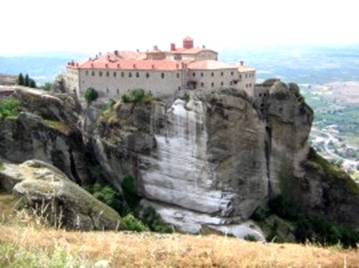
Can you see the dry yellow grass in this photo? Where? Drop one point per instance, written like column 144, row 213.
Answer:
column 175, row 250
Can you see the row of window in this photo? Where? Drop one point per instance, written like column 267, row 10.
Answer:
column 249, row 75
column 114, row 74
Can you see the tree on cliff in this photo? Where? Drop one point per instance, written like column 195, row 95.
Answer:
column 26, row 80
column 20, row 79
column 91, row 95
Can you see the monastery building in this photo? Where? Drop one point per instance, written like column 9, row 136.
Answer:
column 160, row 72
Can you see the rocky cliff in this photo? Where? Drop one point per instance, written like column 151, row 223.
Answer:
column 206, row 160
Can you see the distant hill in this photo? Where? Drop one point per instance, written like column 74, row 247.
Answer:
column 42, row 67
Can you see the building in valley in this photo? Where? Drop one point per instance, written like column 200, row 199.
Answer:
column 160, row 72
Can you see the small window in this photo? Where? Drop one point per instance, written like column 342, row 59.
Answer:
column 232, row 73
column 246, row 75
column 107, row 91
column 147, row 75
column 201, row 74
column 87, row 73
column 179, row 88
column 107, row 73
column 212, row 84
column 178, row 75
column 240, row 77
column 193, row 74
column 212, row 74
column 162, row 75
column 137, row 74
column 221, row 73
column 222, row 84
column 130, row 74
column 122, row 74
column 202, row 84
column 114, row 74
column 100, row 73
column 118, row 92
column 93, row 73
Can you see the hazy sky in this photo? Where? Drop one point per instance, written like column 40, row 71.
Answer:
column 91, row 26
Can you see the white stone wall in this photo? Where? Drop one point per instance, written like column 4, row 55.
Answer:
column 114, row 83
column 213, row 79
column 72, row 80
column 248, row 81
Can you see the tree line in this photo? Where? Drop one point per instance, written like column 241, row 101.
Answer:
column 26, row 81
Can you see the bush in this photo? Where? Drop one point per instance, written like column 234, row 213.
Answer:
column 91, row 95
column 133, row 224
column 129, row 191
column 9, row 107
column 1, row 166
column 137, row 95
column 283, row 208
column 260, row 214
column 250, row 238
column 154, row 221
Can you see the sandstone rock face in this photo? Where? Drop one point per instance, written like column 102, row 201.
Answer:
column 64, row 201
column 45, row 130
column 211, row 159
column 205, row 160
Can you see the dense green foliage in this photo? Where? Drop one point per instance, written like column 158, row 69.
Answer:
column 307, row 228
column 131, row 223
column 91, row 95
column 137, row 95
column 9, row 107
column 107, row 194
column 1, row 166
column 154, row 221
column 26, row 81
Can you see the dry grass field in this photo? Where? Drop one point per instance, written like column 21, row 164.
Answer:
column 43, row 247
column 26, row 242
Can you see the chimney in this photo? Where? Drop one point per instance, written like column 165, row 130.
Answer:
column 203, row 46
column 155, row 47
column 106, row 65
column 116, row 52
column 242, row 63
column 134, row 66
column 173, row 47
column 118, row 65
column 91, row 65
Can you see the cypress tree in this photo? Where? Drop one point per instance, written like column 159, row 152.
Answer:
column 26, row 80
column 32, row 83
column 20, row 79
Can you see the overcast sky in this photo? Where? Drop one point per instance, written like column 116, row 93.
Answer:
column 91, row 26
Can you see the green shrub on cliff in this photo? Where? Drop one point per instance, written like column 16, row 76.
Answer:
column 9, row 107
column 131, row 223
column 154, row 221
column 90, row 95
column 138, row 95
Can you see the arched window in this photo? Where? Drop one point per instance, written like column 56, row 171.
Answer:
column 232, row 73
column 107, row 73
column 178, row 75
column 100, row 73
column 162, row 75
column 93, row 73
column 201, row 74
column 212, row 84
column 193, row 74
column 212, row 74
column 87, row 73
column 202, row 84
column 222, row 83
column 122, row 74
column 114, row 74
column 137, row 74
column 130, row 74
column 221, row 73
column 147, row 75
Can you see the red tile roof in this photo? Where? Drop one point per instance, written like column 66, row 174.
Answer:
column 165, row 65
